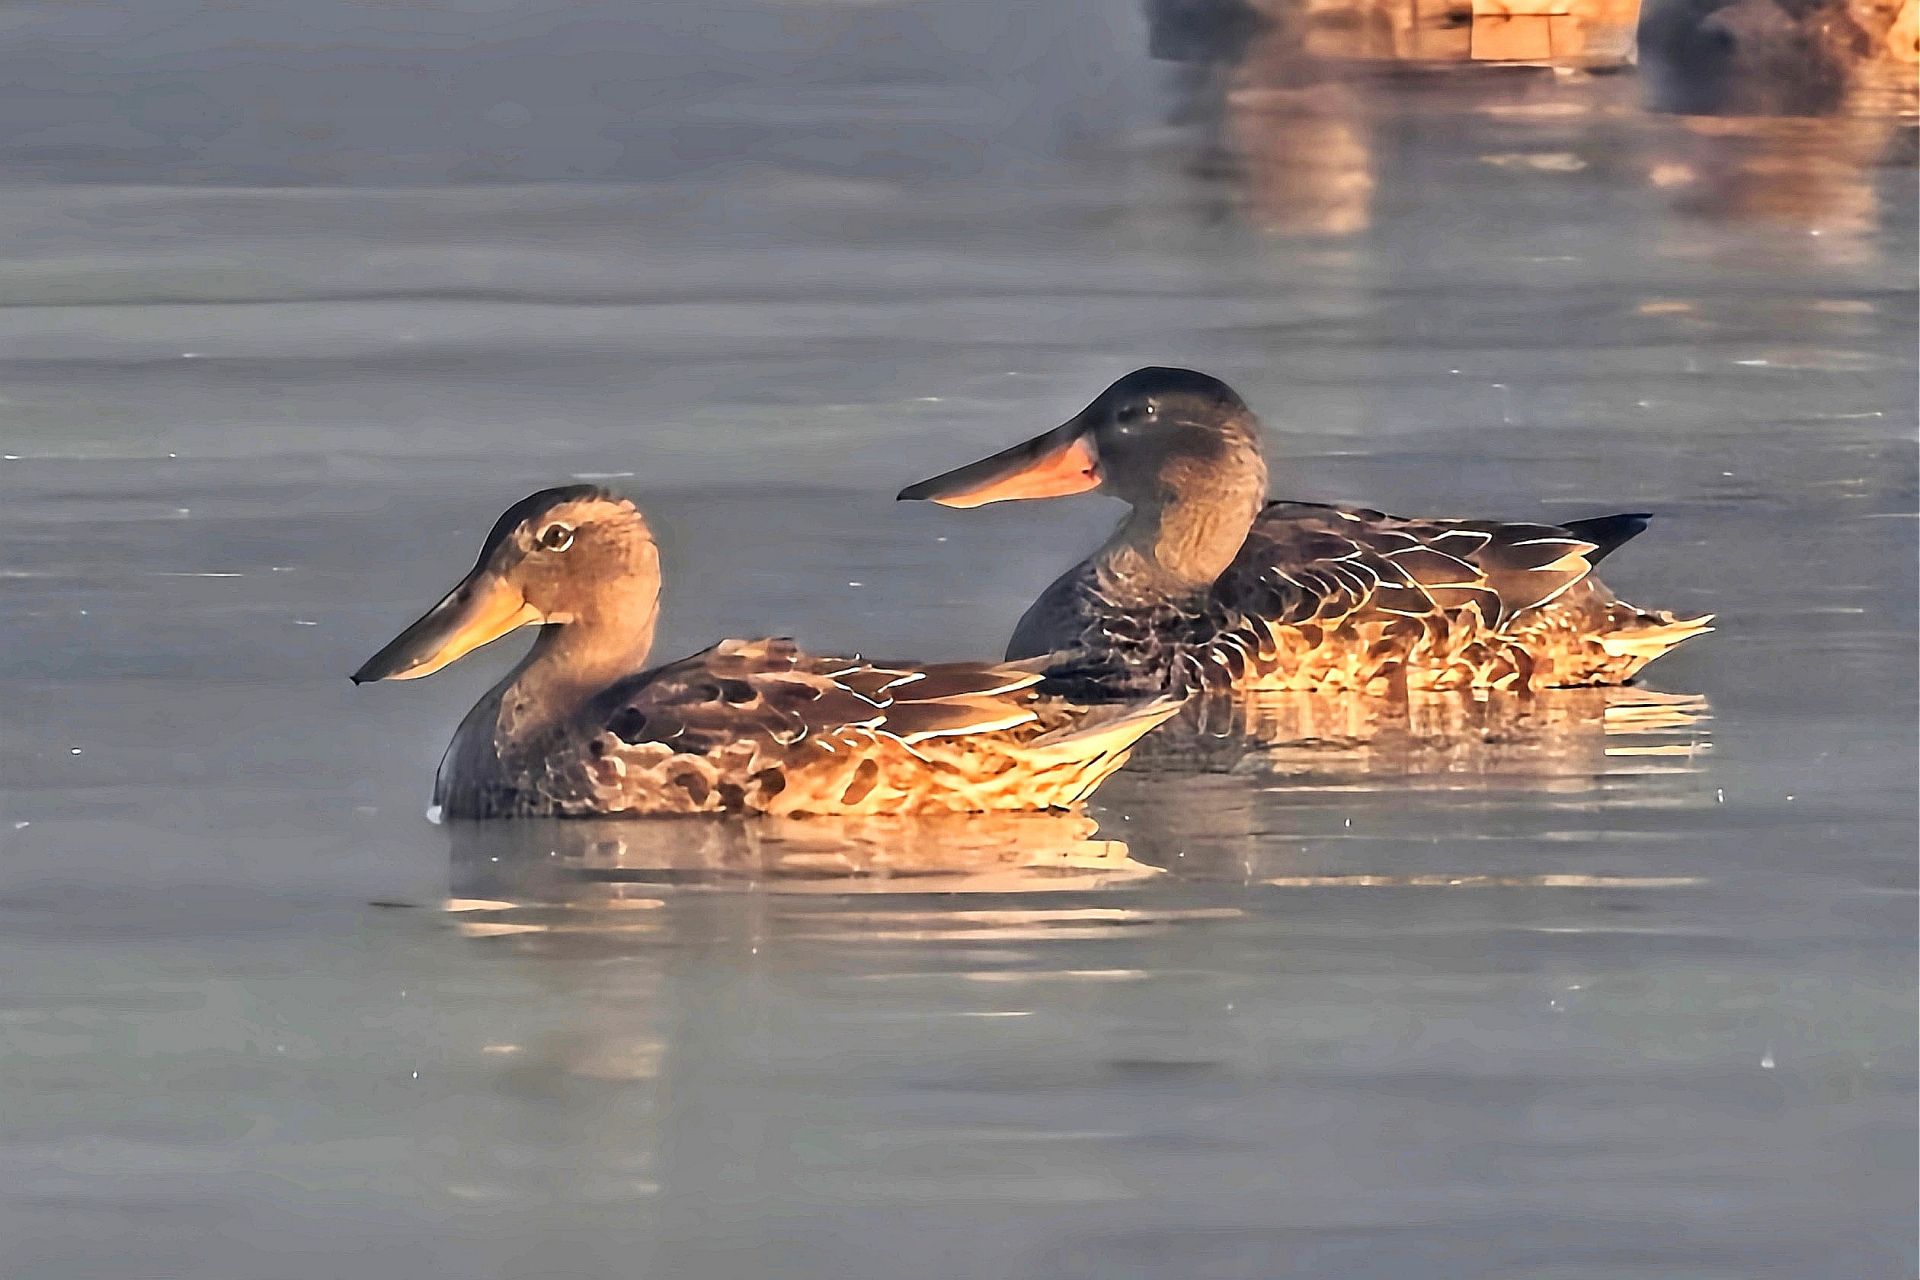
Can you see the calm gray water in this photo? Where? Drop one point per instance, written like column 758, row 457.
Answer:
column 1548, row 994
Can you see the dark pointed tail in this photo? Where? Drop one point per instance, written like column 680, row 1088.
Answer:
column 1608, row 532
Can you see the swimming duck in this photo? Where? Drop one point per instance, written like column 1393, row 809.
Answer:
column 747, row 727
column 1207, row 584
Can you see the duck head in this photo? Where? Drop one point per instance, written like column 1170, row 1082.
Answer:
column 1156, row 438
column 577, row 558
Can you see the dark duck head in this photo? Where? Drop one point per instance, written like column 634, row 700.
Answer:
column 1180, row 447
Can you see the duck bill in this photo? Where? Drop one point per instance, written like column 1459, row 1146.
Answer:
column 1062, row 461
column 479, row 610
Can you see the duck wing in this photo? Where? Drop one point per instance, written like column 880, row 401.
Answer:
column 758, row 726
column 1304, row 562
column 771, row 693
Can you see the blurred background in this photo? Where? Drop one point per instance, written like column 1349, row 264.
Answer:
column 295, row 297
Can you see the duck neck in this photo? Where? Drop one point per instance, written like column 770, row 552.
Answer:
column 1171, row 548
column 569, row 664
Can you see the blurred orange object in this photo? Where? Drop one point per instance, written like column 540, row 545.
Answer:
column 1573, row 33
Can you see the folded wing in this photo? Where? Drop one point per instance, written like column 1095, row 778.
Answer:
column 1305, row 563
column 771, row 691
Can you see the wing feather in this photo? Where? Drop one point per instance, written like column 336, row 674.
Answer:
column 771, row 692
column 1303, row 560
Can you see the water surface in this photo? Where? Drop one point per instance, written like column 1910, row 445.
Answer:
column 1496, row 992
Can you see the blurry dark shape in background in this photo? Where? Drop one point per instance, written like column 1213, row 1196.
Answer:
column 1702, row 57
column 1201, row 30
column 1420, row 33
column 1788, row 105
column 1780, row 57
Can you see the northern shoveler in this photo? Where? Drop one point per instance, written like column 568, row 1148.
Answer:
column 1208, row 584
column 749, row 726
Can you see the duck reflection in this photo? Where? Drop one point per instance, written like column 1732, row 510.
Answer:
column 562, row 876
column 1789, row 106
column 1237, row 789
column 1811, row 178
column 1288, row 136
column 1303, row 152
column 1792, row 109
column 676, row 1040
column 1233, row 788
column 1333, row 737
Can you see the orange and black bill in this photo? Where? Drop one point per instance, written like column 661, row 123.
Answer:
column 1063, row 461
column 483, row 608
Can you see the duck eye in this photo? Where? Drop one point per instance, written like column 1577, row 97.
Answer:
column 556, row 537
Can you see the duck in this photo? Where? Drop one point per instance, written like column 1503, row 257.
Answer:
column 1207, row 584
column 581, row 727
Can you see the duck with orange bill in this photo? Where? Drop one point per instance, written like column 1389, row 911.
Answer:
column 1206, row 584
column 579, row 728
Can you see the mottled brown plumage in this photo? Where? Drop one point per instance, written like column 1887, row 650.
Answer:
column 1207, row 585
column 747, row 727
column 1341, row 598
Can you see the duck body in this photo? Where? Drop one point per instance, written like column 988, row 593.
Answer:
column 1208, row 585
column 579, row 729
column 1347, row 599
column 760, row 727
